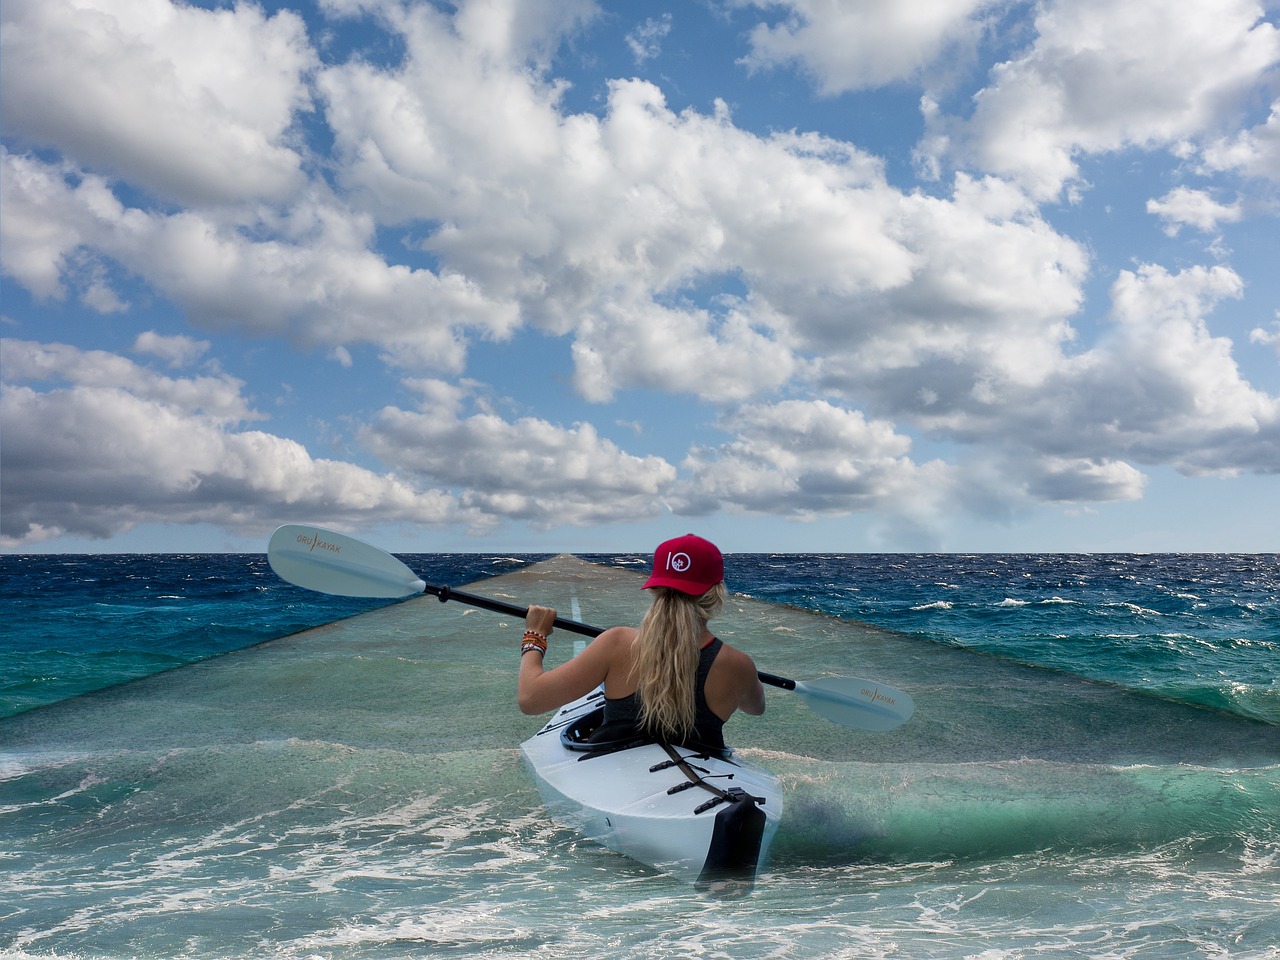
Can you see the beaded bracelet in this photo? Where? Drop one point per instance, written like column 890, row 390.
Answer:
column 533, row 641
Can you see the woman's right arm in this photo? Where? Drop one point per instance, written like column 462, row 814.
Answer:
column 751, row 700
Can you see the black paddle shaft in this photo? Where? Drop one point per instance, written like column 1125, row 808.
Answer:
column 445, row 594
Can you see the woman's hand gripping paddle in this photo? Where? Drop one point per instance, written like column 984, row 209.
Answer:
column 334, row 563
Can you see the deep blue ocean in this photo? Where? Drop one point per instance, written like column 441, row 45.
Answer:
column 1092, row 771
column 1200, row 628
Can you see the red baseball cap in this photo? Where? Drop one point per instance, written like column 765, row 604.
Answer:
column 688, row 564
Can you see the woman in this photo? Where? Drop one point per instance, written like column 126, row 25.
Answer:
column 671, row 678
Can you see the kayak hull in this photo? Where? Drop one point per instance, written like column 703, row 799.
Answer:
column 697, row 815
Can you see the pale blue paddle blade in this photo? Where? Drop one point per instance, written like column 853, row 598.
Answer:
column 331, row 562
column 853, row 702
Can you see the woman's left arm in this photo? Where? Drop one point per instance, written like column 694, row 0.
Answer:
column 539, row 690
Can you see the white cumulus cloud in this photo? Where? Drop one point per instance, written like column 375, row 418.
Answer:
column 851, row 46
column 95, row 445
column 1184, row 206
column 1084, row 86
column 194, row 105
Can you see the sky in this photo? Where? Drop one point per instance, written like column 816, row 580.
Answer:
column 557, row 275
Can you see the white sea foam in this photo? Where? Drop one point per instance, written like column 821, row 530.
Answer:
column 1135, row 609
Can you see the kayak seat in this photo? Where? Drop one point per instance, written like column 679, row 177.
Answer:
column 591, row 736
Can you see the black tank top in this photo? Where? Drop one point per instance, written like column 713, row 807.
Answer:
column 708, row 729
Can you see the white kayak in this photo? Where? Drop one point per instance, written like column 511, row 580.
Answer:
column 701, row 815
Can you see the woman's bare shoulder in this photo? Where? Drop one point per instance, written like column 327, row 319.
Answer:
column 616, row 643
column 619, row 634
column 737, row 660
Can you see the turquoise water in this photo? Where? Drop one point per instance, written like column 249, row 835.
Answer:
column 356, row 791
column 1199, row 628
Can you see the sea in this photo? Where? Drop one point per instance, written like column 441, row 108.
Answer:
column 1143, row 820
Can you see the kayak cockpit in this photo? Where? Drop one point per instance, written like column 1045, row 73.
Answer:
column 588, row 734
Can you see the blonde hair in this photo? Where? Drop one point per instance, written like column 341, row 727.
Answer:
column 666, row 658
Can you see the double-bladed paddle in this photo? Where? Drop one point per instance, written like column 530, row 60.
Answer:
column 331, row 562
